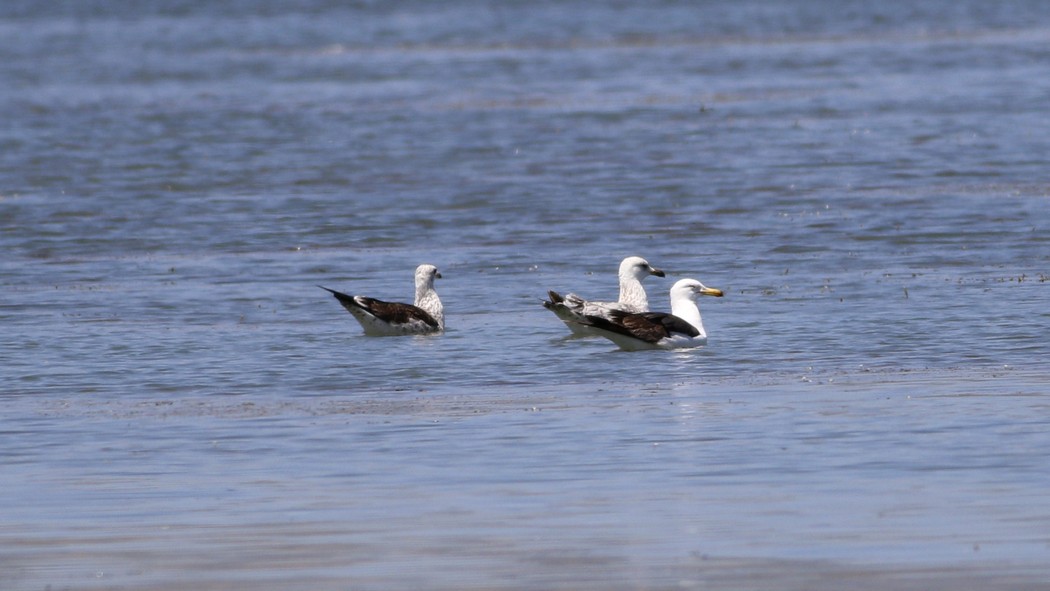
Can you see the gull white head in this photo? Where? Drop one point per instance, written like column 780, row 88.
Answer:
column 425, row 275
column 638, row 268
column 683, row 301
column 690, row 289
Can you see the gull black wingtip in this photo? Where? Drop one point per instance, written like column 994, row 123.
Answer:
column 342, row 297
column 333, row 292
column 554, row 298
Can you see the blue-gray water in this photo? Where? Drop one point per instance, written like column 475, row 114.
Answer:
column 182, row 407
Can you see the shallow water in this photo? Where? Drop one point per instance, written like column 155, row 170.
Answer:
column 182, row 406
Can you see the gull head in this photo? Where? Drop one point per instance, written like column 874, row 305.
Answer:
column 692, row 289
column 425, row 275
column 638, row 268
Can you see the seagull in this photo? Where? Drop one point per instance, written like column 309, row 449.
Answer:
column 572, row 308
column 380, row 319
column 680, row 329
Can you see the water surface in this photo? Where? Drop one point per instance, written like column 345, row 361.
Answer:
column 182, row 406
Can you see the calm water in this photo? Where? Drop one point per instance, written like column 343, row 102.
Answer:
column 183, row 408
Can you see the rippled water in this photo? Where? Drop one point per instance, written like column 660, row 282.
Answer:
column 182, row 406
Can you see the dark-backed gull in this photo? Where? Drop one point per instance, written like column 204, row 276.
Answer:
column 379, row 318
column 680, row 329
column 572, row 308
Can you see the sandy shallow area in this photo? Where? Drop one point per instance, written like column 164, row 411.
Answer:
column 302, row 559
column 763, row 486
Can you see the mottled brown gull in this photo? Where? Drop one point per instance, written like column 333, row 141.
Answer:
column 571, row 309
column 379, row 318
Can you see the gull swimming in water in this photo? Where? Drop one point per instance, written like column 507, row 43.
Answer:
column 680, row 329
column 379, row 318
column 571, row 308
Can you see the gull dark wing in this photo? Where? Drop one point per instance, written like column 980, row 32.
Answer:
column 650, row 327
column 647, row 327
column 395, row 312
column 389, row 312
column 632, row 325
column 672, row 323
